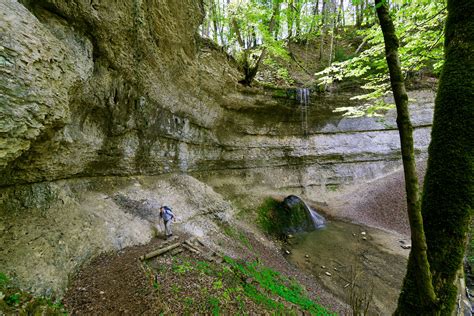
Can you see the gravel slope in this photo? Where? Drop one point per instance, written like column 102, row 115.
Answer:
column 379, row 203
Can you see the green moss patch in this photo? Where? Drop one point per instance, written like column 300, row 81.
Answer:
column 278, row 220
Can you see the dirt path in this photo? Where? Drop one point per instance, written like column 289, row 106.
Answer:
column 113, row 283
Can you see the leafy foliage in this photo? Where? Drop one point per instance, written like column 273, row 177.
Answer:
column 420, row 30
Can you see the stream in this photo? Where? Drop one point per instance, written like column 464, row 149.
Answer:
column 354, row 262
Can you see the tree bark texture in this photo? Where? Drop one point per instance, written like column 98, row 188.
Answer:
column 449, row 183
column 422, row 282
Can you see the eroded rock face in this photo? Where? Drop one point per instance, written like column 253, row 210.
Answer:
column 115, row 90
column 38, row 69
column 96, row 94
column 91, row 91
column 47, row 230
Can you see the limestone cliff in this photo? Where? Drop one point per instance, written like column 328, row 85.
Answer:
column 103, row 103
column 105, row 88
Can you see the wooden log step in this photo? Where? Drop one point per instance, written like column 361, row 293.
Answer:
column 159, row 251
column 191, row 248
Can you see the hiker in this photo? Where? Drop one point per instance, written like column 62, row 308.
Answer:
column 167, row 215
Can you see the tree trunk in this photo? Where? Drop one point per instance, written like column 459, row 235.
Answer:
column 358, row 10
column 250, row 71
column 314, row 16
column 425, row 294
column 276, row 21
column 449, row 182
column 238, row 34
column 332, row 11
column 297, row 16
column 290, row 18
column 214, row 19
column 323, row 29
column 340, row 14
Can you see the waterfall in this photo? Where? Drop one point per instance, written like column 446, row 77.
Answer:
column 302, row 95
column 318, row 220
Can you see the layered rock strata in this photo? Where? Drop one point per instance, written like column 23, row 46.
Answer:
column 95, row 95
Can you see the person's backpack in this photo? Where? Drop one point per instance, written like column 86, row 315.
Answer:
column 167, row 213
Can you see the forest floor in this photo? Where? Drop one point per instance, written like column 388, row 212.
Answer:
column 185, row 282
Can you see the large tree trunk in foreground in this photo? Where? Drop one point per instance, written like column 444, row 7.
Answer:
column 449, row 183
column 418, row 256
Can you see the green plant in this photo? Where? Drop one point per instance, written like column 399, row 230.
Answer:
column 13, row 299
column 214, row 305
column 271, row 217
column 217, row 285
column 203, row 267
column 420, row 49
column 275, row 219
column 175, row 288
column 341, row 55
column 189, row 301
column 3, row 280
column 182, row 268
column 276, row 284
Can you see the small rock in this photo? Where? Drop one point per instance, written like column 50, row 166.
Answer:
column 101, row 292
column 327, row 273
column 290, row 236
column 364, row 238
column 287, row 252
column 323, row 267
column 406, row 246
column 353, row 234
column 363, row 233
column 306, row 256
column 335, row 269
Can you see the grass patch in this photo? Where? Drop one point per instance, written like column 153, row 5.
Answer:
column 232, row 288
column 273, row 282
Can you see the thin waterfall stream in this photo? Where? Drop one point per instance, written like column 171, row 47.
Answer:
column 303, row 98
